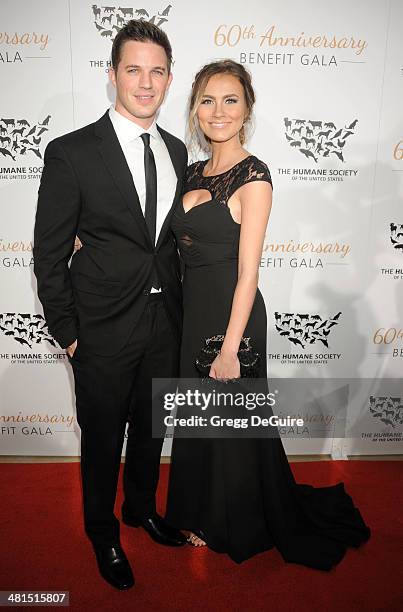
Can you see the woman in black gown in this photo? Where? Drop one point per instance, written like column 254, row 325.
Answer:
column 238, row 495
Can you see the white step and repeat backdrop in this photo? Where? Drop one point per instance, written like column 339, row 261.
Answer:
column 329, row 123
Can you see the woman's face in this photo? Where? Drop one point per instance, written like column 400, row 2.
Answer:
column 222, row 110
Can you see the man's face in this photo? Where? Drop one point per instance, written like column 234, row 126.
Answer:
column 141, row 81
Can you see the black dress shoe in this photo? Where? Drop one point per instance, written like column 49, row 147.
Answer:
column 114, row 566
column 158, row 530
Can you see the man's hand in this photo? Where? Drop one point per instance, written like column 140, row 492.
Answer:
column 77, row 245
column 70, row 350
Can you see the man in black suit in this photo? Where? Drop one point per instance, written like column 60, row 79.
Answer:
column 117, row 308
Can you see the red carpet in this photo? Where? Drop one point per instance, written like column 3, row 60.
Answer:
column 43, row 548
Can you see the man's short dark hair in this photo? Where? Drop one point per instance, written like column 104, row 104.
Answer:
column 142, row 31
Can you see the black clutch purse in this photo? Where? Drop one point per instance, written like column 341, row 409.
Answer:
column 248, row 358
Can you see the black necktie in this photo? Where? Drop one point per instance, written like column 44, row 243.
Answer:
column 150, row 211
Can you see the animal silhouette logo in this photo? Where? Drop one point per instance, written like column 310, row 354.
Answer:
column 19, row 137
column 109, row 20
column 396, row 236
column 26, row 329
column 387, row 409
column 315, row 139
column 303, row 329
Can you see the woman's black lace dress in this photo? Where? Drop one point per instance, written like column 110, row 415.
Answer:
column 241, row 492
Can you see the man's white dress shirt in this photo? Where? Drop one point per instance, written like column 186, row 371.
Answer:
column 129, row 136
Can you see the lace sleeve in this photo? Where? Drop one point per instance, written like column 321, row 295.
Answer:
column 252, row 169
column 256, row 170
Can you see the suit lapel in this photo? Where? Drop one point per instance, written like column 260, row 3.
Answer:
column 115, row 161
column 178, row 167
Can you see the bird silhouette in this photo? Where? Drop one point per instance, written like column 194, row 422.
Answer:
column 296, row 341
column 7, row 153
column 347, row 134
column 308, row 154
column 37, row 152
column 352, row 125
column 338, row 154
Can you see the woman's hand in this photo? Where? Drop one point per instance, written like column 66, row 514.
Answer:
column 225, row 366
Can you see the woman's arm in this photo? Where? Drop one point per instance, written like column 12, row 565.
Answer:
column 255, row 199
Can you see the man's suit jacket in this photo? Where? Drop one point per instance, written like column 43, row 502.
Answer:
column 87, row 189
